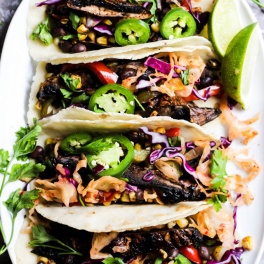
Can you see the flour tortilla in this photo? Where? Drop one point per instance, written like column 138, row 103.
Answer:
column 204, row 52
column 40, row 52
column 104, row 219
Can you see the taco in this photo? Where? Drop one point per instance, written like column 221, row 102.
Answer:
column 161, row 162
column 128, row 234
column 85, row 29
column 164, row 83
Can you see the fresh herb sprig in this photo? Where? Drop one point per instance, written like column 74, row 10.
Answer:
column 258, row 3
column 25, row 144
column 41, row 238
column 218, row 172
column 185, row 76
column 17, row 201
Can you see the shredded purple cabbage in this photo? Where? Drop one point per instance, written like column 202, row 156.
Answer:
column 230, row 255
column 73, row 182
column 193, row 14
column 225, row 142
column 93, row 21
column 212, row 144
column 168, row 152
column 145, row 83
column 160, row 66
column 155, row 137
column 159, row 5
column 131, row 188
column 199, row 96
column 48, row 2
column 102, row 28
column 189, row 145
column 98, row 168
column 149, row 176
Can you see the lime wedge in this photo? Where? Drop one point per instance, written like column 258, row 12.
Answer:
column 238, row 64
column 224, row 24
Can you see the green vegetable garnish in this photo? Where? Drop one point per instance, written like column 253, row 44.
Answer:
column 71, row 82
column 17, row 201
column 184, row 76
column 74, row 19
column 218, row 172
column 258, row 3
column 41, row 238
column 42, row 31
column 110, row 260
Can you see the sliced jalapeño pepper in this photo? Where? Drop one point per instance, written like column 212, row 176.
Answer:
column 75, row 142
column 112, row 153
column 112, row 98
column 131, row 31
column 177, row 23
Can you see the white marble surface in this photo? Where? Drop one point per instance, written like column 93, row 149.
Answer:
column 7, row 10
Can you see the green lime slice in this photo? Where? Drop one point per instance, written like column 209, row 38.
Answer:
column 224, row 24
column 238, row 64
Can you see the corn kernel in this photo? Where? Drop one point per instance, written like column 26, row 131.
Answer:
column 38, row 105
column 132, row 196
column 137, row 146
column 43, row 260
column 217, row 252
column 64, row 21
column 50, row 141
column 247, row 243
column 125, row 198
column 107, row 22
column 157, row 146
column 155, row 27
column 82, row 29
column 164, row 254
column 178, row 71
column 82, row 37
column 161, row 130
column 107, row 203
column 117, row 196
column 102, row 40
column 154, row 113
column 182, row 222
column 77, row 77
column 171, row 224
column 91, row 36
column 83, row 20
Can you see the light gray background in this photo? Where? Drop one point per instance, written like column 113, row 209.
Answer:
column 7, row 10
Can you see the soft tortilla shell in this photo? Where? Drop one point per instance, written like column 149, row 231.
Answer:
column 119, row 217
column 190, row 132
column 39, row 52
column 81, row 114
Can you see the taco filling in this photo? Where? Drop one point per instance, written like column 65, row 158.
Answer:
column 79, row 26
column 166, row 84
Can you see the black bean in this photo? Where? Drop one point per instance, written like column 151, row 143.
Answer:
column 127, row 72
column 173, row 253
column 51, row 68
column 140, row 195
column 65, row 46
column 204, row 253
column 78, row 48
column 213, row 64
column 37, row 153
column 58, row 32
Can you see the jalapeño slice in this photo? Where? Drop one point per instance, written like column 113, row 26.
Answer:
column 112, row 153
column 177, row 23
column 75, row 142
column 131, row 31
column 112, row 98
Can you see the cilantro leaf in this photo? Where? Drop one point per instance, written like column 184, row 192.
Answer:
column 25, row 172
column 41, row 237
column 15, row 203
column 111, row 260
column 4, row 160
column 75, row 20
column 80, row 99
column 218, row 169
column 217, row 200
column 185, row 76
column 67, row 37
column 72, row 83
column 26, row 141
column 98, row 146
column 66, row 93
column 42, row 31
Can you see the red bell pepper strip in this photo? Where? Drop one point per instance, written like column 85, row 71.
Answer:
column 191, row 253
column 105, row 75
column 214, row 90
column 173, row 132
